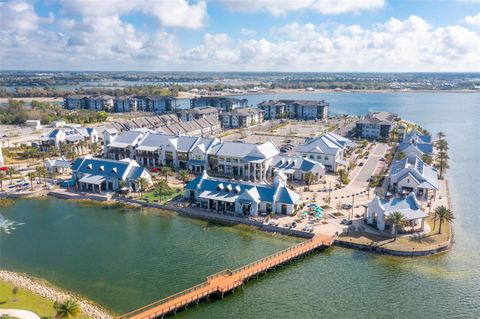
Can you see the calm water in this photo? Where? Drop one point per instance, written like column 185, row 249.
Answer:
column 123, row 259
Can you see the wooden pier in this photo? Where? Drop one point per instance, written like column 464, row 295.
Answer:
column 227, row 280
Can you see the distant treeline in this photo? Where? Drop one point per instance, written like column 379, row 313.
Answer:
column 53, row 92
column 17, row 112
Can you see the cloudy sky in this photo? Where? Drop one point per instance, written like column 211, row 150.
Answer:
column 240, row 35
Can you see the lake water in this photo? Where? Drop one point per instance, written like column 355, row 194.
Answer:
column 124, row 259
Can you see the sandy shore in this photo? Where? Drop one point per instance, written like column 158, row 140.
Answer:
column 54, row 294
column 30, row 99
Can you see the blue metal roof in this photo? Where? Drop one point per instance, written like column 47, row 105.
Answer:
column 102, row 167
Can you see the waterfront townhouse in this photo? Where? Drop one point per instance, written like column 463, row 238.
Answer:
column 67, row 135
column 241, row 160
column 240, row 198
column 182, row 152
column 98, row 175
column 379, row 209
column 57, row 165
column 118, row 146
column 221, row 103
column 296, row 167
column 242, row 118
column 297, row 109
column 328, row 149
column 411, row 174
column 198, row 113
column 153, row 149
column 376, row 125
column 417, row 143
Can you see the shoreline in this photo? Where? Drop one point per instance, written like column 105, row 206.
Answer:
column 53, row 293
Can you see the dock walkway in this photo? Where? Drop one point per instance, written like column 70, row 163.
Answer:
column 227, row 280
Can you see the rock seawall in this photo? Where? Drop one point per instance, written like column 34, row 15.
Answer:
column 24, row 282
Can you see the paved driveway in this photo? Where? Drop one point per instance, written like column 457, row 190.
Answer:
column 370, row 165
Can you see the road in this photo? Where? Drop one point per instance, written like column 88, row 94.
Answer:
column 370, row 165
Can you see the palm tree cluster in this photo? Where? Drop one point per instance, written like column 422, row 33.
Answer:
column 442, row 156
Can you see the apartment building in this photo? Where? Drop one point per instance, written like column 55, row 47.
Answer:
column 297, row 109
column 241, row 118
column 221, row 103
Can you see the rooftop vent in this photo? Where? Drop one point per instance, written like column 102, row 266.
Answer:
column 237, row 189
column 114, row 170
column 101, row 168
column 89, row 166
column 220, row 187
column 229, row 188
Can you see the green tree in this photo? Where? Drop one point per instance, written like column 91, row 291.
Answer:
column 309, row 179
column 142, row 185
column 42, row 172
column 31, row 176
column 400, row 155
column 443, row 214
column 15, row 292
column 396, row 219
column 442, row 164
column 427, row 159
column 184, row 177
column 161, row 187
column 11, row 171
column 166, row 171
column 2, row 178
column 67, row 309
column 95, row 148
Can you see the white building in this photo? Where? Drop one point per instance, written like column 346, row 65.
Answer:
column 34, row 123
column 376, row 125
column 242, row 198
column 378, row 211
column 296, row 167
column 411, row 174
column 58, row 165
column 328, row 149
column 67, row 135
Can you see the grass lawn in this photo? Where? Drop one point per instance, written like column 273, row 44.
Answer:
column 26, row 301
column 154, row 196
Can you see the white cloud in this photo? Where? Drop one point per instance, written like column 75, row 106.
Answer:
column 345, row 6
column 20, row 16
column 177, row 13
column 280, row 7
column 396, row 45
column 247, row 32
column 473, row 20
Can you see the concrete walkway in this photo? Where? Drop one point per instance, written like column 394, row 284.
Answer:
column 20, row 314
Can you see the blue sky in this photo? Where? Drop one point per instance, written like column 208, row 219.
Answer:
column 250, row 35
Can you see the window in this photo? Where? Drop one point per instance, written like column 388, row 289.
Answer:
column 326, row 158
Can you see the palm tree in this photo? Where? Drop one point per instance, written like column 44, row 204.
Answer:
column 184, row 177
column 42, row 172
column 70, row 308
column 31, row 176
column 396, row 219
column 161, row 187
column 15, row 292
column 442, row 163
column 440, row 135
column 95, row 148
column 443, row 214
column 142, row 184
column 442, row 145
column 11, row 171
column 427, row 159
column 309, row 178
column 2, row 177
column 166, row 170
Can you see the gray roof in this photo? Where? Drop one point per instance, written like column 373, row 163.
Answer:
column 413, row 166
column 294, row 162
column 244, row 150
column 329, row 143
column 378, row 118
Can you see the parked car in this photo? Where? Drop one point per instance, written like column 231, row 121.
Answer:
column 361, row 164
